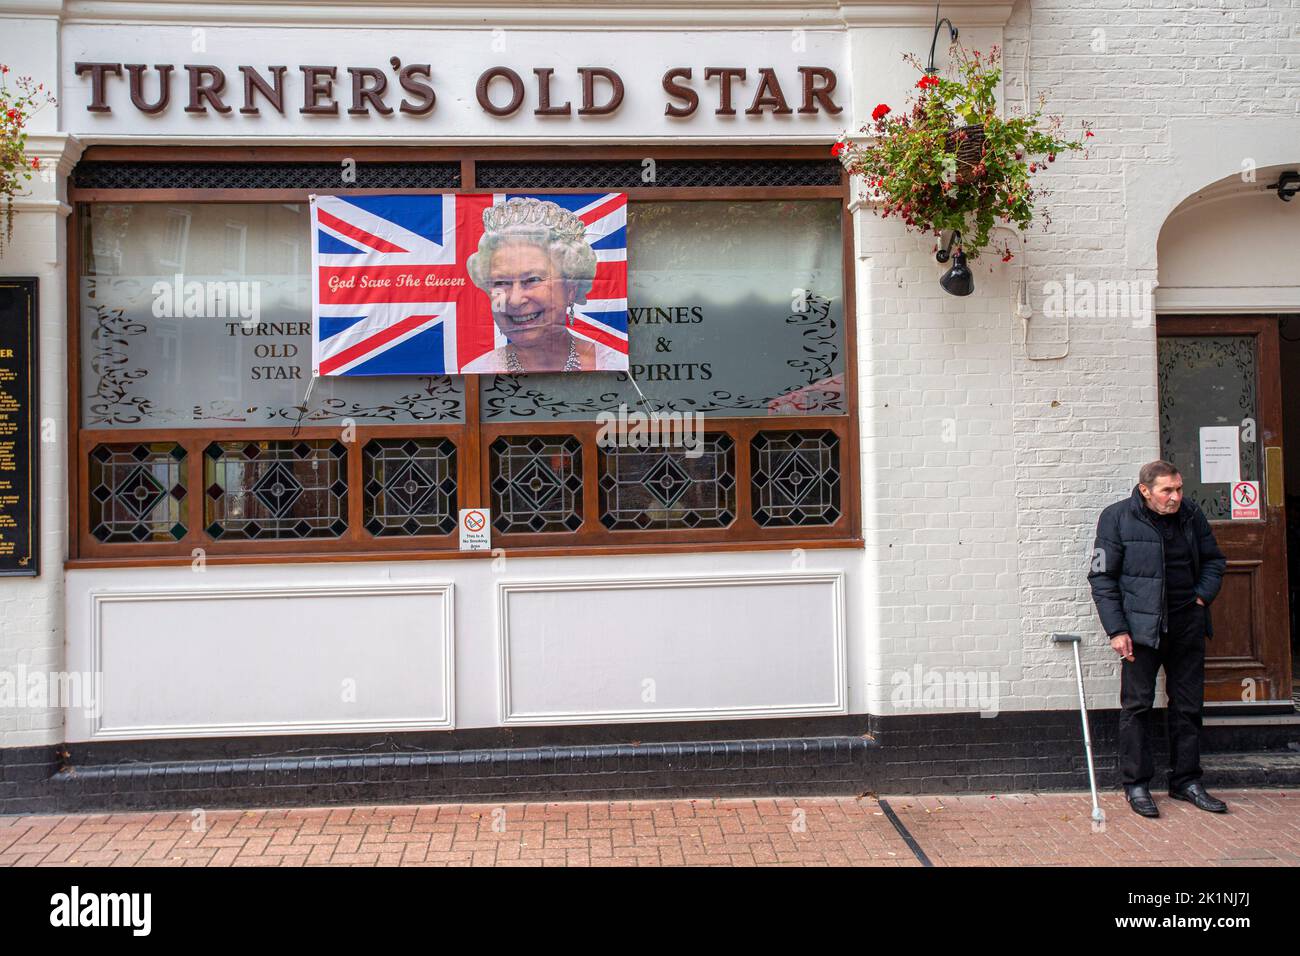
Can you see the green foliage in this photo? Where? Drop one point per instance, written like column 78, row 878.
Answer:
column 916, row 166
column 17, row 105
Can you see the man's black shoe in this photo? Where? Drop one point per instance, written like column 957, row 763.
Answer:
column 1139, row 798
column 1194, row 793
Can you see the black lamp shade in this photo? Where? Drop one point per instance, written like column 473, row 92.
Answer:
column 958, row 280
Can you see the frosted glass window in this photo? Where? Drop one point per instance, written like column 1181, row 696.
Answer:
column 199, row 315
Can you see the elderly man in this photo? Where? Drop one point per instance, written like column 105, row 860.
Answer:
column 1156, row 568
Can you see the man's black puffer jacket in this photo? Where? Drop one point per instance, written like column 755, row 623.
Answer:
column 1128, row 567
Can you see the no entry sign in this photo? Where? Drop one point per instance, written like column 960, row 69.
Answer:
column 1245, row 500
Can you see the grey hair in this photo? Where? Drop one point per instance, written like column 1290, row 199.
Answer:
column 1152, row 470
column 574, row 258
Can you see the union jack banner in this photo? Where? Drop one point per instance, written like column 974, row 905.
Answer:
column 392, row 295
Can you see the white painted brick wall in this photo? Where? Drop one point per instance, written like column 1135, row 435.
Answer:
column 1026, row 478
column 31, row 609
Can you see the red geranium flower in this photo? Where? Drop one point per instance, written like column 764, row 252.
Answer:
column 1087, row 134
column 837, row 149
column 36, row 163
column 879, row 112
column 927, row 81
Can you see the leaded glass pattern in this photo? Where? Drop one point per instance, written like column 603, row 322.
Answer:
column 410, row 486
column 1207, row 381
column 275, row 489
column 795, row 478
column 137, row 492
column 644, row 488
column 536, row 483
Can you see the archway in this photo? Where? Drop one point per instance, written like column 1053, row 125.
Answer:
column 1228, row 361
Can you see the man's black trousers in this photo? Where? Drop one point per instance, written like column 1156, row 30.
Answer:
column 1182, row 654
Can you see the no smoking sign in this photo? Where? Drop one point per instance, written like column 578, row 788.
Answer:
column 1245, row 500
column 475, row 530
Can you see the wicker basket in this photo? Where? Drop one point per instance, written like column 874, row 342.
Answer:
column 971, row 149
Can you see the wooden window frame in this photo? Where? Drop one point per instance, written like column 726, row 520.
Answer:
column 473, row 437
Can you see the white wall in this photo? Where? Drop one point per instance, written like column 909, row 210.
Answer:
column 31, row 609
column 982, row 543
column 1232, row 247
column 1182, row 93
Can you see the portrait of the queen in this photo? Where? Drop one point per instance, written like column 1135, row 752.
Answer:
column 535, row 264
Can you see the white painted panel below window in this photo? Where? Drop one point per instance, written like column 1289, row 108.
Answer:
column 283, row 660
column 596, row 651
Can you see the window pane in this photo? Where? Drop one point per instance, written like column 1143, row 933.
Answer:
column 536, row 484
column 410, row 486
column 735, row 309
column 276, row 489
column 653, row 488
column 137, row 492
column 1207, row 381
column 795, row 478
column 199, row 314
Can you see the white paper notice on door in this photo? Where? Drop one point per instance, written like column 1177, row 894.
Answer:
column 1220, row 455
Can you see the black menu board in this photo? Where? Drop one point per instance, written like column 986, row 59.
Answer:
column 20, row 501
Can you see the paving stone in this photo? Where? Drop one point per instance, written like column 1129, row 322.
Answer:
column 1052, row 829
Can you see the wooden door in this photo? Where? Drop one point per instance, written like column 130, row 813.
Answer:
column 1224, row 372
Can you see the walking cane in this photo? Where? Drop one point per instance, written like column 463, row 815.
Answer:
column 1073, row 639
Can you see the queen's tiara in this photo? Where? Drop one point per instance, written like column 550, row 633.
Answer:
column 534, row 212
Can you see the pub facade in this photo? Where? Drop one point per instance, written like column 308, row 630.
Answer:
column 249, row 584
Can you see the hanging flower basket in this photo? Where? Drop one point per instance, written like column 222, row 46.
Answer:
column 967, row 143
column 951, row 162
column 17, row 105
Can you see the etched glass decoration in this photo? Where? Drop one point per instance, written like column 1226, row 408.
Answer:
column 735, row 309
column 199, row 315
column 1207, row 381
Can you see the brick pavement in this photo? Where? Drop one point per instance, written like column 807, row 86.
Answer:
column 1008, row 829
column 1262, row 828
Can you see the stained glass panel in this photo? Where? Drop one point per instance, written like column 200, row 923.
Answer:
column 137, row 492
column 410, row 486
column 536, row 483
column 276, row 489
column 795, row 478
column 662, row 488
